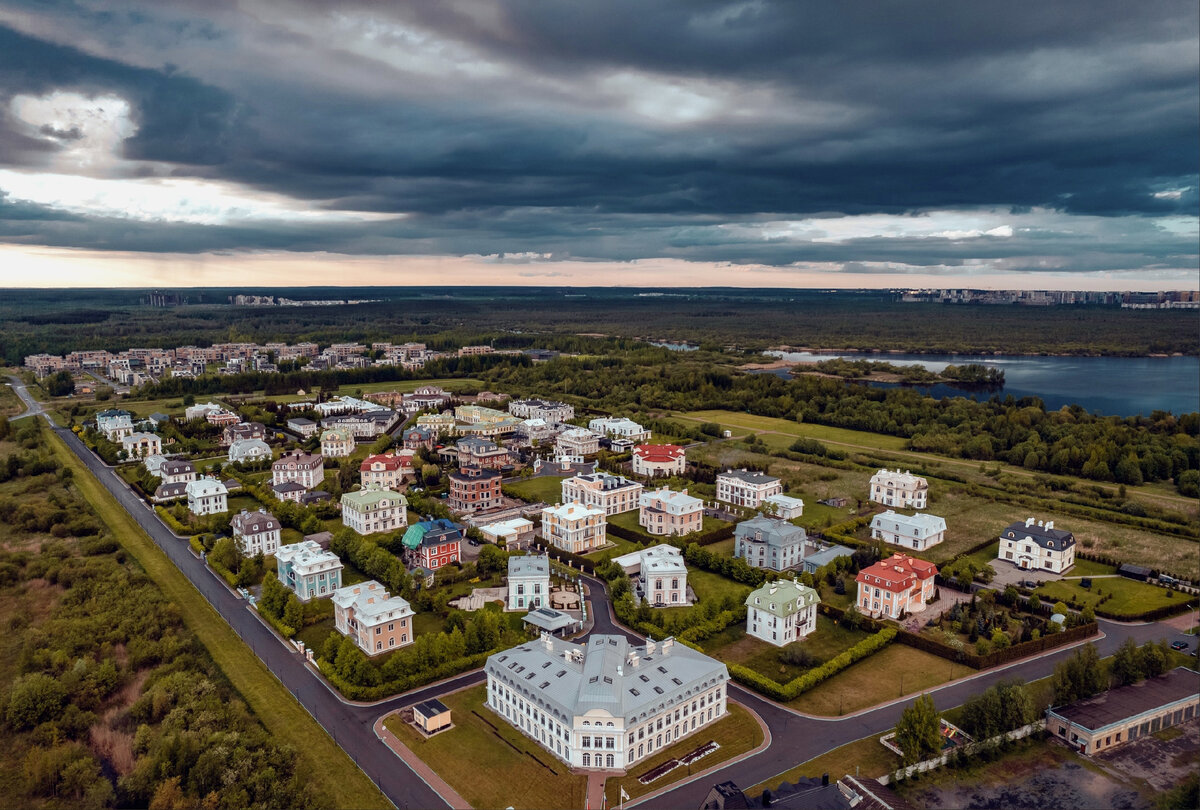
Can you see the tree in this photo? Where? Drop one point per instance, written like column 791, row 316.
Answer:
column 34, row 699
column 1002, row 707
column 1080, row 676
column 60, row 384
column 103, row 393
column 1126, row 666
column 919, row 732
column 1155, row 658
column 225, row 555
column 293, row 612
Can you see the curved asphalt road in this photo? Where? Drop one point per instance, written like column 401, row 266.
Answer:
column 795, row 737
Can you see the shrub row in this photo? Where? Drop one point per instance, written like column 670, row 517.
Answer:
column 802, row 683
column 705, row 630
column 172, row 524
column 417, row 679
column 1151, row 615
column 280, row 628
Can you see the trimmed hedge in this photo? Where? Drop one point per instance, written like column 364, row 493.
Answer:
column 416, row 679
column 802, row 683
column 172, row 524
column 1154, row 614
column 197, row 546
column 280, row 627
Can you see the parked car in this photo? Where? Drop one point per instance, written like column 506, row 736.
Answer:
column 1179, row 645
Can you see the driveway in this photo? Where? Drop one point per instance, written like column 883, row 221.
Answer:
column 1008, row 574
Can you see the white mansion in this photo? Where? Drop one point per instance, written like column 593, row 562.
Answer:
column 606, row 704
column 781, row 612
column 899, row 489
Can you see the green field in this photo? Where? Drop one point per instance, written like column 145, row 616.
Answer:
column 742, row 423
column 736, row 733
column 1128, row 597
column 330, row 767
column 893, row 672
column 544, row 488
column 488, row 762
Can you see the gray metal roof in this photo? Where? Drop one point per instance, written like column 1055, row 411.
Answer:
column 608, row 673
column 775, row 531
column 1046, row 538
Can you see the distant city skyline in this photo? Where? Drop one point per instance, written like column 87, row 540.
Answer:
column 751, row 144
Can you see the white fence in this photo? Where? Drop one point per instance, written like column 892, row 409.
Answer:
column 937, row 762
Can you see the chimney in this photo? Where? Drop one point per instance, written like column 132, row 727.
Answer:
column 650, row 646
column 1049, row 525
column 667, row 644
column 1028, row 522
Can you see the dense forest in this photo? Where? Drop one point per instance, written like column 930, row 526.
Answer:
column 110, row 701
column 60, row 321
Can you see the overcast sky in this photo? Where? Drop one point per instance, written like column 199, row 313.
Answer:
column 1018, row 144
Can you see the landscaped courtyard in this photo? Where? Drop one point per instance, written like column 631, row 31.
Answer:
column 488, row 762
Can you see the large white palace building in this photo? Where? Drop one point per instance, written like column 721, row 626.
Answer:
column 606, row 704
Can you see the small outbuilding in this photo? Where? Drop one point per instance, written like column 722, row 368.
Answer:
column 432, row 716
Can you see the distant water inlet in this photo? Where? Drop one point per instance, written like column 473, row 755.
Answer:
column 1113, row 386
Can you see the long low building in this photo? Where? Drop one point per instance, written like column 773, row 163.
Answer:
column 1128, row 712
column 606, row 704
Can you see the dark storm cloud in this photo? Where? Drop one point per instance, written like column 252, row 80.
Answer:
column 625, row 129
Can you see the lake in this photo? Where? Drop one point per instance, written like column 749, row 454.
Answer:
column 1113, row 386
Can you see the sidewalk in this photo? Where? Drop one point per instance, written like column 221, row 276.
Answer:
column 419, row 767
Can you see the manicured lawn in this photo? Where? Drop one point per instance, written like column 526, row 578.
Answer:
column 986, row 555
column 710, row 587
column 866, row 757
column 1129, row 597
column 331, row 769
column 424, row 623
column 315, row 634
column 734, row 646
column 619, row 546
column 1089, row 568
column 736, row 733
column 877, row 679
column 723, row 547
column 488, row 762
column 545, row 488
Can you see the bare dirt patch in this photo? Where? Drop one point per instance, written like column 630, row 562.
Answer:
column 1045, row 774
column 1160, row 763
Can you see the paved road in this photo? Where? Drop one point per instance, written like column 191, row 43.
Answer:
column 796, row 738
column 32, row 406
